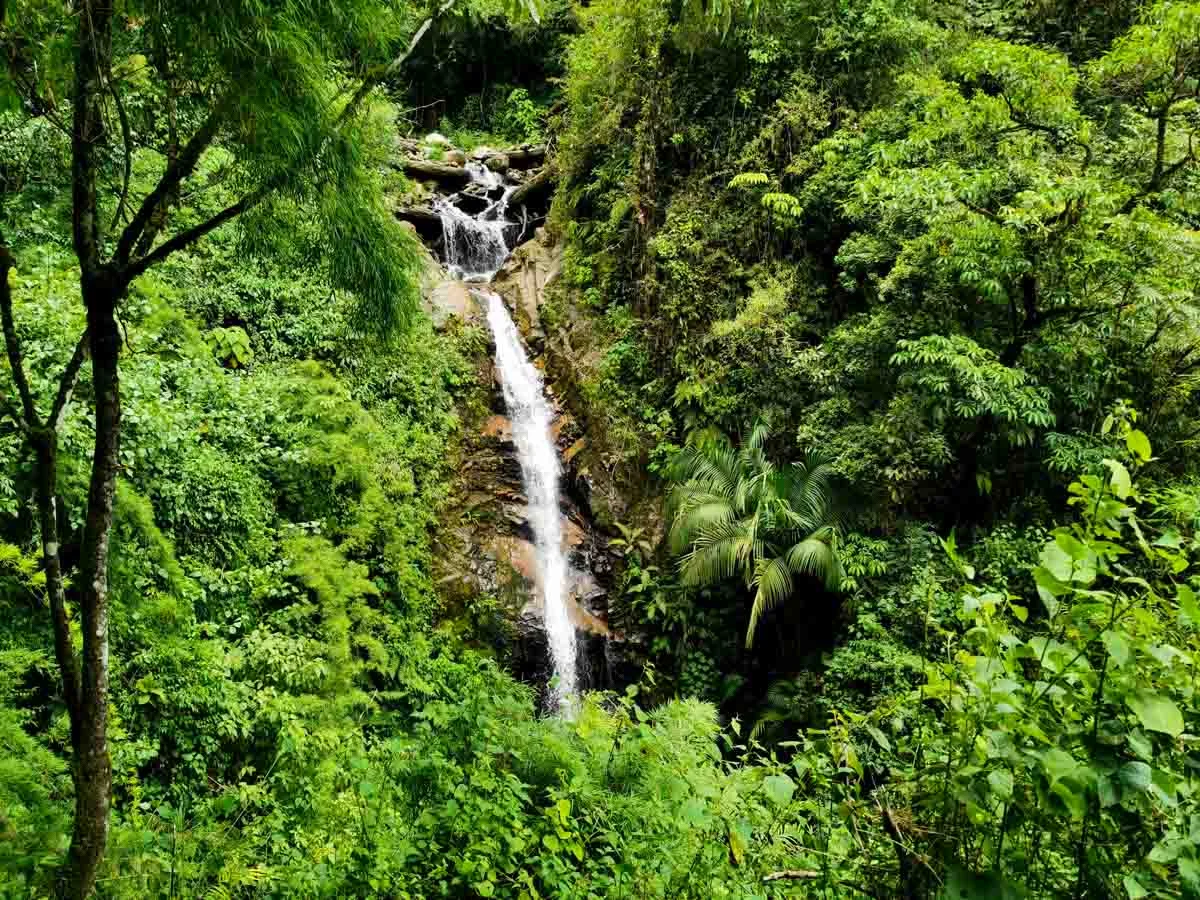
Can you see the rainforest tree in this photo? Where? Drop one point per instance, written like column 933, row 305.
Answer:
column 285, row 89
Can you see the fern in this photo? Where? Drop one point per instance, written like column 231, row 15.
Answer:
column 781, row 204
column 749, row 179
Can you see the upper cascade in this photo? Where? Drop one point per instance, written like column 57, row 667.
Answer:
column 476, row 246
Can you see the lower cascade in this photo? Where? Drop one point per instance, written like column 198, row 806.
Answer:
column 532, row 418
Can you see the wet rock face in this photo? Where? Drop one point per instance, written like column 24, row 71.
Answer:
column 490, row 552
column 530, row 271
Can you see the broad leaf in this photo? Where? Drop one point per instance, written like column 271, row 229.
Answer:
column 1156, row 712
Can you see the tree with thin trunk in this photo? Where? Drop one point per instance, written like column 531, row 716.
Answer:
column 279, row 94
column 737, row 513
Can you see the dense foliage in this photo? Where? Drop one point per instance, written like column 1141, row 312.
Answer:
column 934, row 633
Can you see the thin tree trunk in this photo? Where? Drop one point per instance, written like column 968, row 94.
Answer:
column 45, row 449
column 101, row 286
column 93, row 769
column 1160, row 148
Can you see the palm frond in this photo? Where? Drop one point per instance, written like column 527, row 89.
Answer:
column 717, row 554
column 815, row 555
column 714, row 468
column 760, row 433
column 811, row 491
column 773, row 579
column 697, row 514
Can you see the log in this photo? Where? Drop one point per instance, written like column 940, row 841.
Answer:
column 428, row 169
column 536, row 190
column 526, row 156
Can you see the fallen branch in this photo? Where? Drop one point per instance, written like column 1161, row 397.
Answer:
column 535, row 188
column 426, row 169
column 524, row 157
column 792, row 874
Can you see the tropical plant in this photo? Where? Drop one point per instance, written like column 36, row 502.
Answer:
column 735, row 512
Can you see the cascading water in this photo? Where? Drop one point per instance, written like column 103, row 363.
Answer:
column 475, row 247
column 531, row 418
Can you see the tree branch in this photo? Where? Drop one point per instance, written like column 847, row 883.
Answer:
column 382, row 74
column 191, row 235
column 792, row 874
column 128, row 142
column 12, row 343
column 158, row 218
column 195, row 147
column 66, row 384
column 177, row 170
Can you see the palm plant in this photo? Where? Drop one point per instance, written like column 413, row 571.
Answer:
column 735, row 512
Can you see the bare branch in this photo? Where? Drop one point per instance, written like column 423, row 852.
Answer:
column 128, row 142
column 792, row 874
column 12, row 343
column 177, row 170
column 66, row 384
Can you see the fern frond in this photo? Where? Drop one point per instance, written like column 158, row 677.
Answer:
column 749, row 179
column 782, row 204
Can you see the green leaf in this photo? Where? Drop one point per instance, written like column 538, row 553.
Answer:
column 1136, row 776
column 1001, row 783
column 1138, row 444
column 1049, row 589
column 1156, row 712
column 1189, row 874
column 1058, row 562
column 1058, row 764
column 1188, row 606
column 485, row 888
column 1118, row 648
column 1140, row 744
column 1122, row 484
column 880, row 738
column 739, row 842
column 1134, row 888
column 779, row 789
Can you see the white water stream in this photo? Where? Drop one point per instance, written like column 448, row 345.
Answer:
column 475, row 246
column 531, row 418
column 475, row 249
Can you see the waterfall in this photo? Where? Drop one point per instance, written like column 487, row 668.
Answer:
column 531, row 418
column 476, row 246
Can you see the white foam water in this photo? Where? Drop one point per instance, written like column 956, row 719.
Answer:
column 475, row 247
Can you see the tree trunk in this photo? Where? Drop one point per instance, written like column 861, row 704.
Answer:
column 101, row 286
column 93, row 769
column 1160, row 145
column 426, row 170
